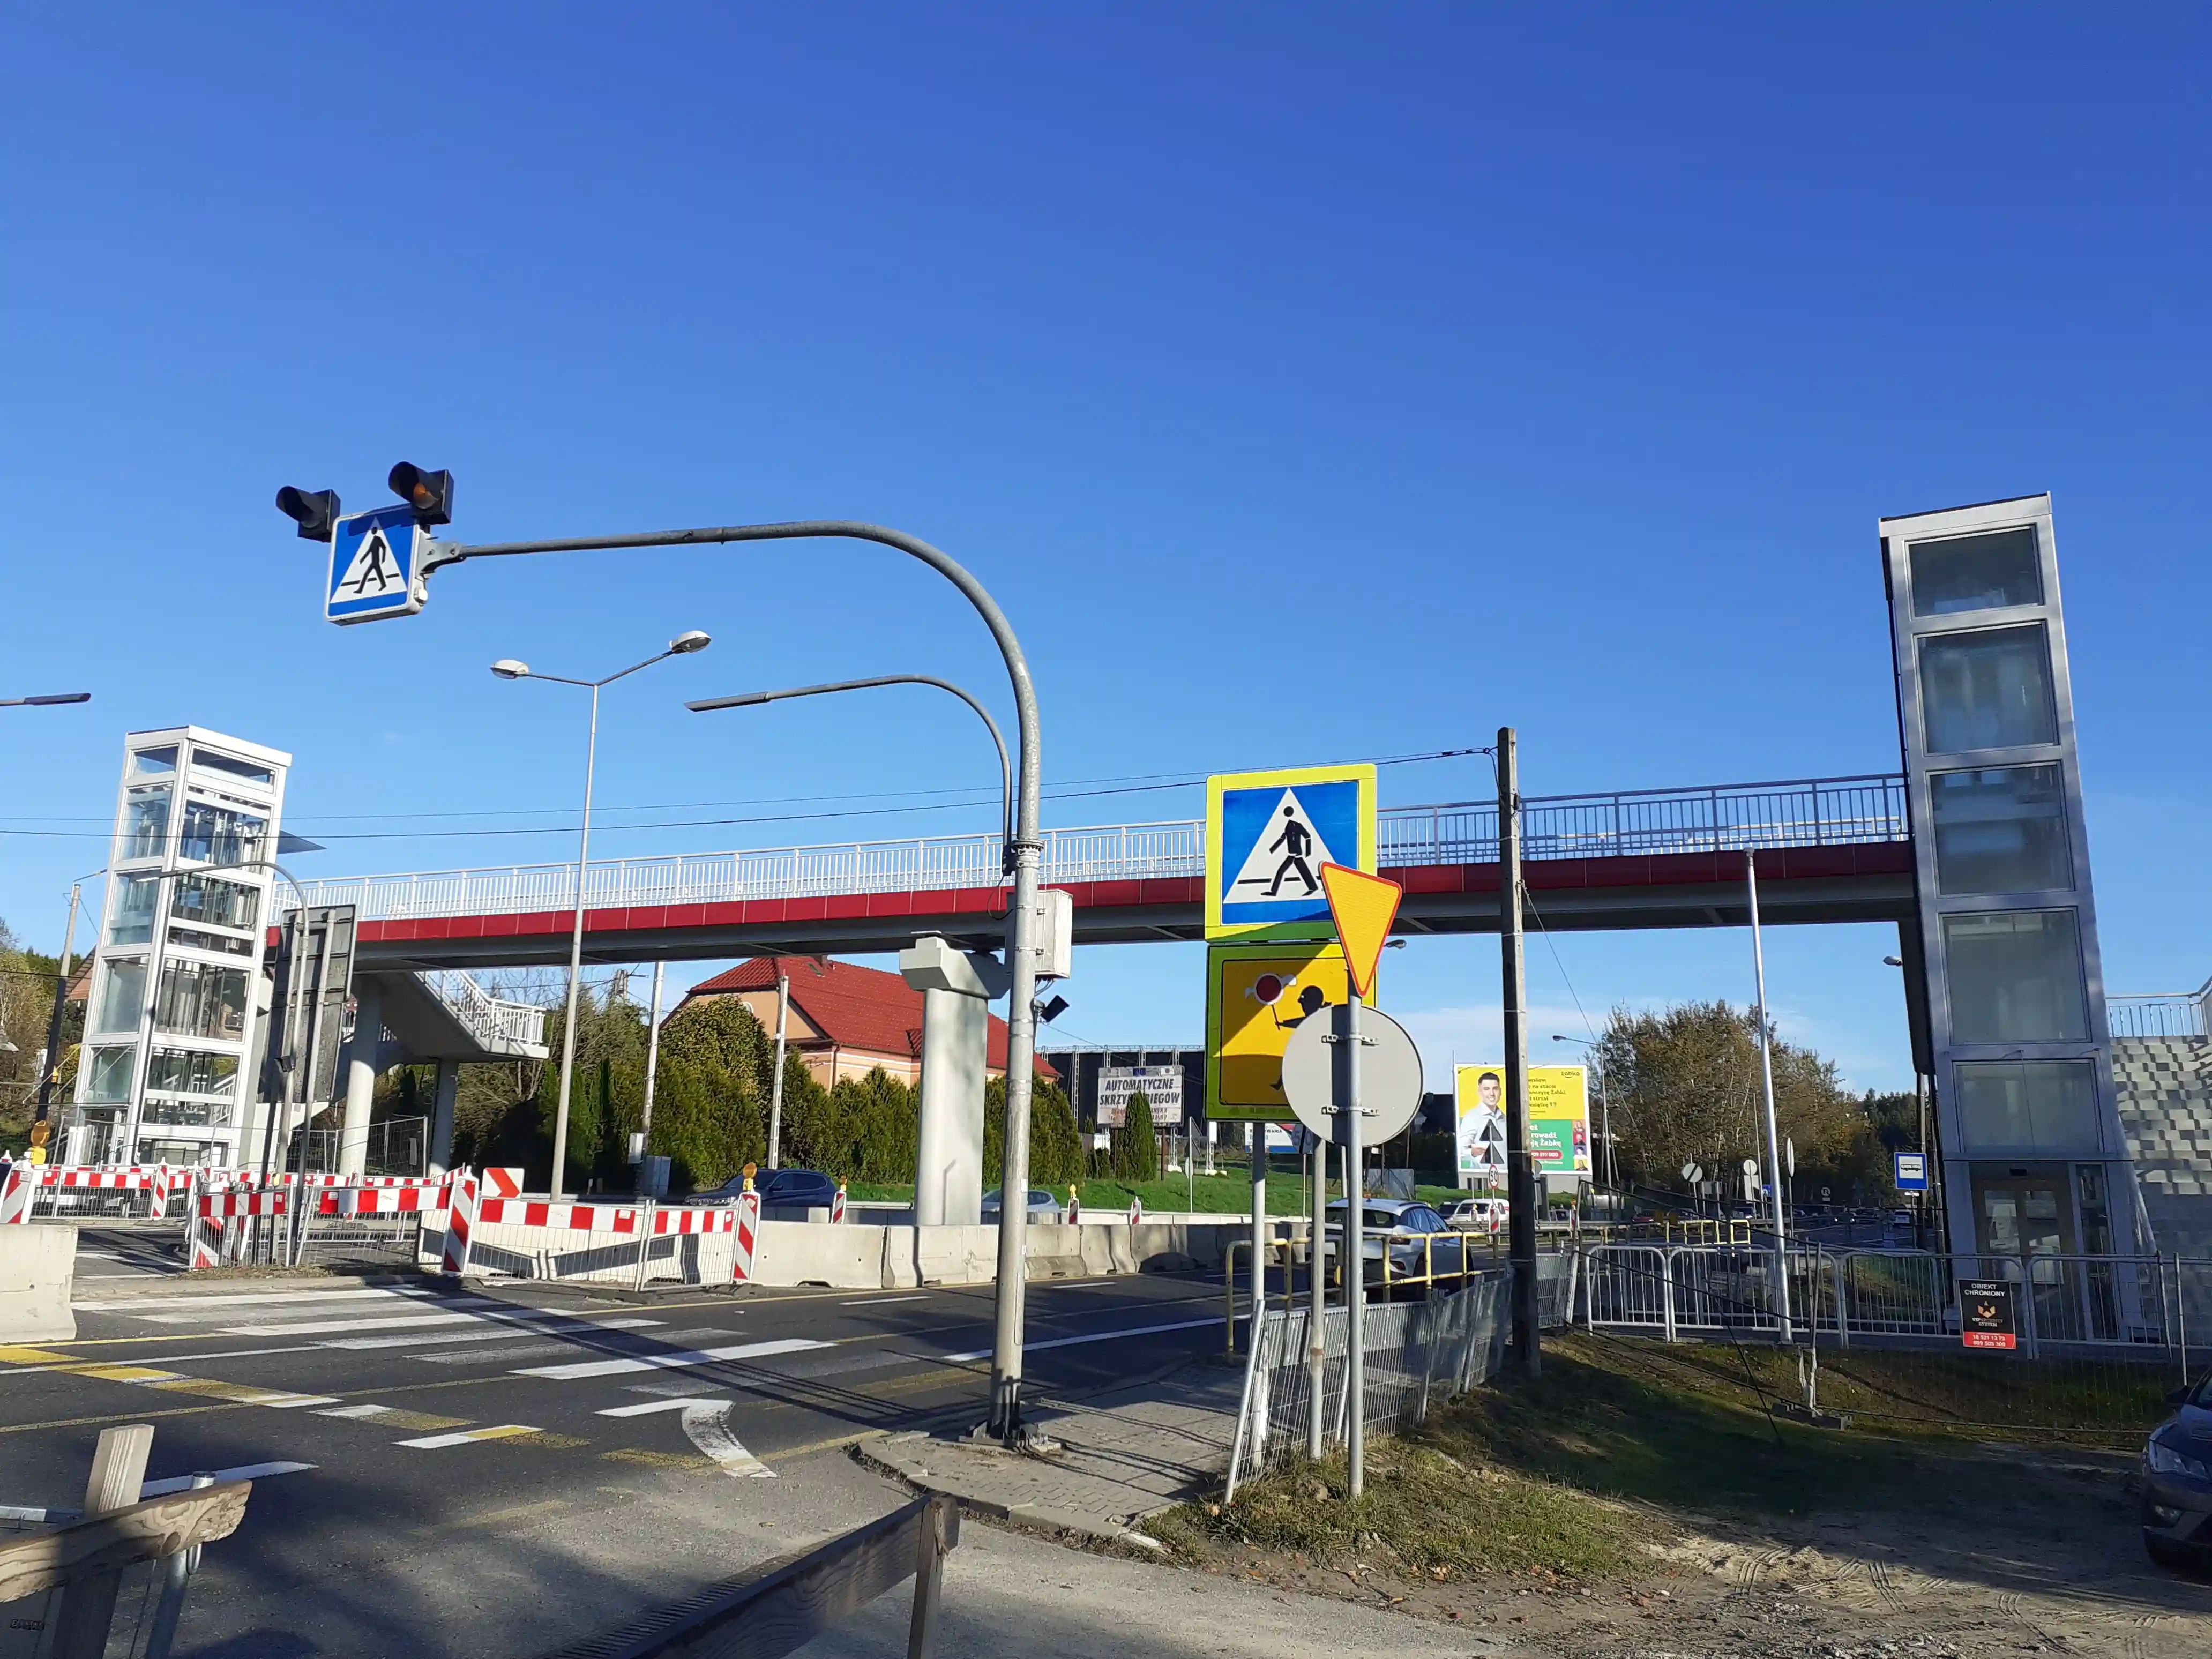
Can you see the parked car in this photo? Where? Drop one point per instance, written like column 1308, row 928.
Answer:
column 2177, row 1480
column 810, row 1188
column 1402, row 1227
column 1044, row 1207
column 1478, row 1215
column 1900, row 1221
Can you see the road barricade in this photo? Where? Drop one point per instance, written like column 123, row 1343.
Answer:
column 58, row 1192
column 632, row 1243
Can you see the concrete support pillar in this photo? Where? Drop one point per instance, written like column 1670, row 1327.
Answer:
column 359, row 1071
column 439, row 1155
column 957, row 988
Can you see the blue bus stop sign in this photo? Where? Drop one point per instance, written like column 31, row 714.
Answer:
column 1911, row 1172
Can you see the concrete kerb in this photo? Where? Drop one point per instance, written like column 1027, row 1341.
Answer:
column 896, row 1456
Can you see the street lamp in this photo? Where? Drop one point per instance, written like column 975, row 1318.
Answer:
column 1604, row 1103
column 48, row 701
column 507, row 668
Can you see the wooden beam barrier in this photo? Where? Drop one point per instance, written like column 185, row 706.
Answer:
column 787, row 1603
column 108, row 1543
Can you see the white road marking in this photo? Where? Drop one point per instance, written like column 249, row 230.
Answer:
column 465, row 1436
column 292, row 1403
column 504, row 1334
column 243, row 1472
column 879, row 1301
column 668, row 1362
column 1076, row 1341
column 647, row 1407
column 241, row 1299
column 707, row 1424
column 323, row 1327
column 355, row 1411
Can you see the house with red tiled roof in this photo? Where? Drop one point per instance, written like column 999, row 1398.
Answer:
column 846, row 1020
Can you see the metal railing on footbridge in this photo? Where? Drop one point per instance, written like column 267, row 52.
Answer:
column 1734, row 817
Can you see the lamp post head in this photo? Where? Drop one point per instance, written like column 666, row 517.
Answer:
column 685, row 643
column 507, row 669
column 1893, row 962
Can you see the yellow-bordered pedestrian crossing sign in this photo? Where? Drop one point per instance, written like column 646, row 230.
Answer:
column 1268, row 834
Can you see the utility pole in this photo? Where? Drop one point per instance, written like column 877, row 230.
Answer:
column 1767, row 1080
column 50, row 1066
column 1520, row 1159
column 775, row 1086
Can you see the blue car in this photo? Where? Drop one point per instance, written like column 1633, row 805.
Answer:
column 2176, row 1482
column 776, row 1187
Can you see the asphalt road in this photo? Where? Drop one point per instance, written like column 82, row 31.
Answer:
column 424, row 1457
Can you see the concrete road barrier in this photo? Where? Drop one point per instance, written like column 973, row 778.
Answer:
column 37, row 1263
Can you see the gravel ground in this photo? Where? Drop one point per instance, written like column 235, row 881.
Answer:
column 2050, row 1562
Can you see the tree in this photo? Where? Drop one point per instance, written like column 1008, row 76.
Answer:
column 1055, row 1147
column 1685, row 1088
column 1136, row 1143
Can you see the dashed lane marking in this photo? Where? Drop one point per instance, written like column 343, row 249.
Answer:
column 879, row 1301
column 238, row 1299
column 467, row 1437
column 646, row 1408
column 668, row 1362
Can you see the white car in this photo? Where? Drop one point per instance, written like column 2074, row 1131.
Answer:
column 1478, row 1215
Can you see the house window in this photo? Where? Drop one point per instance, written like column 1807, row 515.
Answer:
column 219, row 835
column 145, row 821
column 108, row 1077
column 187, row 1072
column 211, row 899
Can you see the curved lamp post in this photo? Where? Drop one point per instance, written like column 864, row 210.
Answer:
column 507, row 668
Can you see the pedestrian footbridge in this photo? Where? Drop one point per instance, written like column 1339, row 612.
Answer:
column 1828, row 849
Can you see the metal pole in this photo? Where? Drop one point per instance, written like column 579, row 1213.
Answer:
column 1767, row 1080
column 652, row 1060
column 1355, row 1259
column 776, row 1085
column 1317, row 1294
column 1520, row 1164
column 53, row 1061
column 1259, row 1228
column 575, row 958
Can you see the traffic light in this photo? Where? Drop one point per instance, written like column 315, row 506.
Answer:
column 430, row 494
column 315, row 511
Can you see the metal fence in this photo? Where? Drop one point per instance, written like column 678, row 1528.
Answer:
column 1797, row 813
column 2180, row 1014
column 1417, row 1354
column 2099, row 1342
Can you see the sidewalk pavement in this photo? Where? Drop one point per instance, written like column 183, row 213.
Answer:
column 1125, row 1453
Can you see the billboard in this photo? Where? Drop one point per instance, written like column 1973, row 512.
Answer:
column 1256, row 996
column 1161, row 1086
column 1559, row 1121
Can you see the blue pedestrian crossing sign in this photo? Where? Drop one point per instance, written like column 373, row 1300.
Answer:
column 376, row 566
column 1267, row 834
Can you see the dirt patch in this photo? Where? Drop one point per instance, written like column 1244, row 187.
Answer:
column 1599, row 1514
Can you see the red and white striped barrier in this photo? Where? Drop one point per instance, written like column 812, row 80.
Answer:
column 460, row 1218
column 1136, row 1211
column 837, row 1205
column 503, row 1181
column 747, row 1210
column 15, row 1195
column 229, row 1206
column 211, row 1237
column 382, row 1201
column 1074, row 1206
column 624, row 1220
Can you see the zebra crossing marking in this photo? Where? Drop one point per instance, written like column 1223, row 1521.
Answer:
column 467, row 1437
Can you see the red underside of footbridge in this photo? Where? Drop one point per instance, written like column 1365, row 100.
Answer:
column 1870, row 881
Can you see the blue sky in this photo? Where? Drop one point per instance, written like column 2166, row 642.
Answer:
column 1309, row 384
